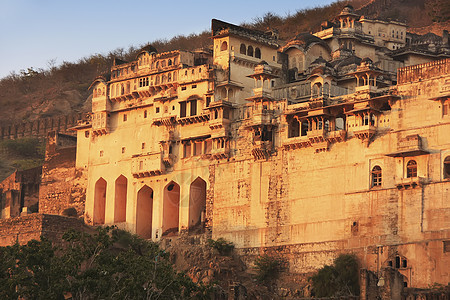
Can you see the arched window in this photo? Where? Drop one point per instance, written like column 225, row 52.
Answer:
column 376, row 176
column 243, row 49
column 447, row 167
column 170, row 62
column 250, row 51
column 257, row 53
column 411, row 169
column 224, row 46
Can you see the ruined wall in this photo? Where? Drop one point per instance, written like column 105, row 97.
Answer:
column 26, row 228
column 39, row 128
column 63, row 187
column 20, row 190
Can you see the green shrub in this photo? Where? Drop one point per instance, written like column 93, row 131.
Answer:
column 340, row 279
column 223, row 246
column 26, row 147
column 267, row 267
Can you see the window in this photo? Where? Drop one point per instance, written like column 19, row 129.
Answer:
column 145, row 114
column 193, row 107
column 157, row 110
column 376, row 176
column 187, row 149
column 250, row 51
column 243, row 49
column 447, row 167
column 445, row 109
column 411, row 169
column 197, row 148
column 123, row 150
column 86, row 133
column 294, row 128
column 143, row 146
column 224, row 46
column 182, row 109
column 183, row 88
column 101, row 153
column 257, row 53
column 194, row 86
column 125, row 117
column 208, row 101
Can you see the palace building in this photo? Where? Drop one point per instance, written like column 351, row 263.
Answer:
column 331, row 142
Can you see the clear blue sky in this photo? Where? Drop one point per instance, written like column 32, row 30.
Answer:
column 33, row 32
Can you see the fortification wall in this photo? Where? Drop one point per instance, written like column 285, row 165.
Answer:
column 26, row 228
column 62, row 186
column 39, row 128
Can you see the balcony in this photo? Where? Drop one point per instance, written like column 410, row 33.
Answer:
column 165, row 120
column 260, row 117
column 410, row 145
column 261, row 149
column 336, row 136
column 261, row 92
column 412, row 182
column 146, row 165
column 364, row 132
column 220, row 153
column 100, row 123
column 316, row 136
column 296, row 143
column 193, row 119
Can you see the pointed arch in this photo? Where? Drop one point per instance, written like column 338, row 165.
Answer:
column 197, row 202
column 144, row 212
column 99, row 202
column 120, row 200
column 171, row 208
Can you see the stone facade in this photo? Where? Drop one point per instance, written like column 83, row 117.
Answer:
column 26, row 228
column 327, row 143
column 63, row 187
column 19, row 193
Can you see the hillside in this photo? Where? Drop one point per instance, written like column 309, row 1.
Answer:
column 62, row 89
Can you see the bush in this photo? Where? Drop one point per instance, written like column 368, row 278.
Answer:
column 223, row 246
column 26, row 147
column 267, row 267
column 340, row 279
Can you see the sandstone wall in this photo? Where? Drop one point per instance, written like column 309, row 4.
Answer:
column 26, row 228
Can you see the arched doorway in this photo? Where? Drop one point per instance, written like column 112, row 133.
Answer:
column 120, row 201
column 144, row 212
column 197, row 202
column 171, row 208
column 99, row 202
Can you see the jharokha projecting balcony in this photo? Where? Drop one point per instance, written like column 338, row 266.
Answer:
column 410, row 145
column 165, row 120
column 149, row 164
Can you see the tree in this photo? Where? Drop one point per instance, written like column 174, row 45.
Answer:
column 110, row 264
column 339, row 279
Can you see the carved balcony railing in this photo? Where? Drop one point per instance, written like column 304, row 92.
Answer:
column 410, row 145
column 145, row 165
column 411, row 182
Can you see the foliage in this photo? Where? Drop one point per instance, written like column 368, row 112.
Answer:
column 26, row 147
column 339, row 279
column 110, row 264
column 267, row 267
column 221, row 245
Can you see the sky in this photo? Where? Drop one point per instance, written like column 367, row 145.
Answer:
column 35, row 33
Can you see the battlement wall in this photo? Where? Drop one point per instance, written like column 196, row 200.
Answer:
column 423, row 71
column 40, row 128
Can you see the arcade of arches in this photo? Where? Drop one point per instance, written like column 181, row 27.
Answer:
column 148, row 209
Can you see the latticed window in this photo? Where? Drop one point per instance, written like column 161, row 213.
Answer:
column 411, row 169
column 376, row 176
